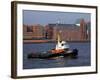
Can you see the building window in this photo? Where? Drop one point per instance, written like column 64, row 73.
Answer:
column 29, row 29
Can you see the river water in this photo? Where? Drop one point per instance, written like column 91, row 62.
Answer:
column 84, row 56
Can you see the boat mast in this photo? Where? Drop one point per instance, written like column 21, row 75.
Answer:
column 58, row 39
column 58, row 34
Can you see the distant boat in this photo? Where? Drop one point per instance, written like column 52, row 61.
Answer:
column 62, row 49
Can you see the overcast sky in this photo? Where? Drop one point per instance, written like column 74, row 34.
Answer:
column 31, row 17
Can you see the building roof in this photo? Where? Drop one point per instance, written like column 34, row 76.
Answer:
column 64, row 26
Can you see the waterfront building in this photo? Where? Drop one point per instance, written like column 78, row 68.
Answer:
column 48, row 32
column 70, row 32
column 33, row 32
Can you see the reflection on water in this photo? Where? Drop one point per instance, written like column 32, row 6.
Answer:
column 82, row 60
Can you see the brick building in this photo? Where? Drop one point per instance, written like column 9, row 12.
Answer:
column 70, row 32
column 49, row 32
column 33, row 32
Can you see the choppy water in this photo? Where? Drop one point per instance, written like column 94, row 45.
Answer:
column 82, row 60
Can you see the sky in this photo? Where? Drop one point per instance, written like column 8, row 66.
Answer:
column 31, row 17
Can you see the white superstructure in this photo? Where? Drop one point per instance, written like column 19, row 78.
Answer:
column 61, row 44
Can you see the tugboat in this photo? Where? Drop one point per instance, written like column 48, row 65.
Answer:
column 61, row 50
